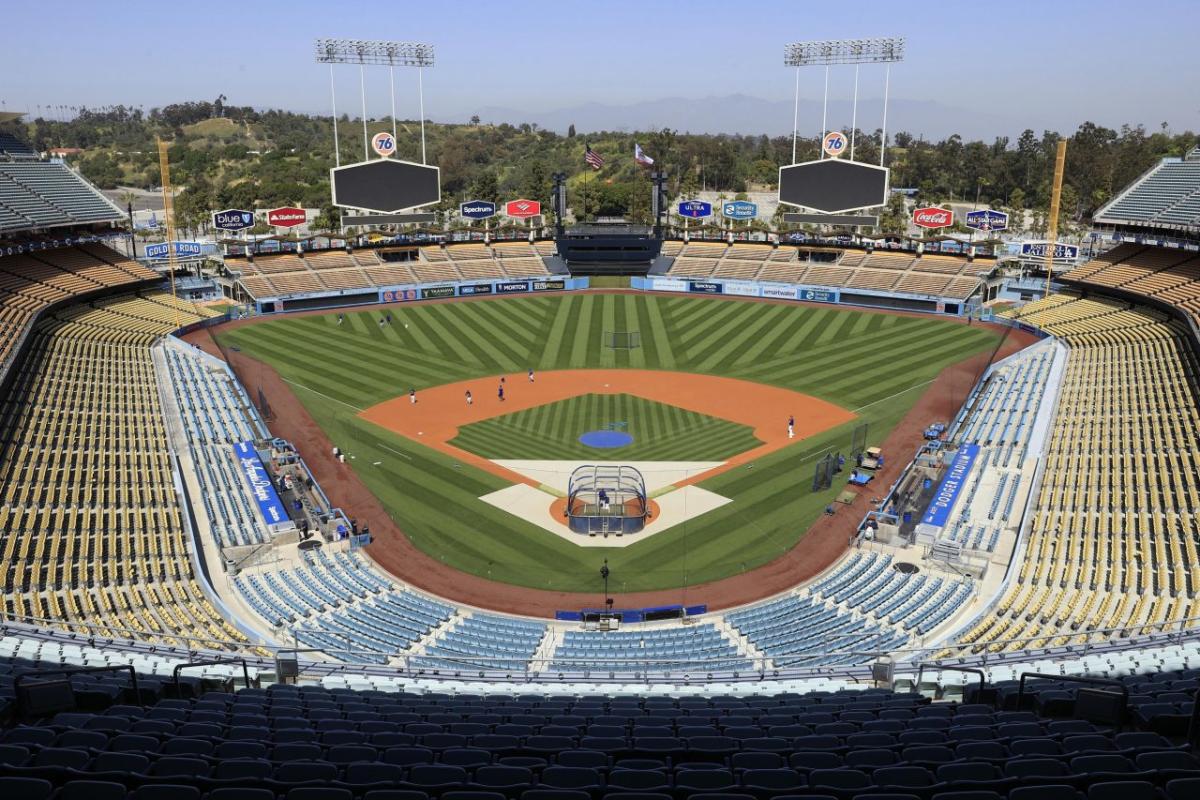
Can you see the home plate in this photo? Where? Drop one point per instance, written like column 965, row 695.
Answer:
column 533, row 505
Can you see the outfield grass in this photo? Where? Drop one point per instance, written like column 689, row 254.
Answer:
column 874, row 364
column 660, row 432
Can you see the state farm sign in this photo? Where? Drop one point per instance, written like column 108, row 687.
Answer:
column 930, row 217
column 522, row 209
column 286, row 217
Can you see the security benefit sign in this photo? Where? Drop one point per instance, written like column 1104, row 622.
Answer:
column 258, row 481
column 953, row 482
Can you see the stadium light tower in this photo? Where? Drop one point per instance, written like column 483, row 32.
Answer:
column 364, row 52
column 837, row 52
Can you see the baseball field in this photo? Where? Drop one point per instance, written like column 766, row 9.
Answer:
column 873, row 365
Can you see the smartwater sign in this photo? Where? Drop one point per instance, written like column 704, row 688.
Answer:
column 953, row 482
column 182, row 250
column 779, row 292
column 818, row 295
column 1038, row 250
column 258, row 480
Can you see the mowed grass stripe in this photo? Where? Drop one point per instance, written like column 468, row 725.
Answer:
column 850, row 357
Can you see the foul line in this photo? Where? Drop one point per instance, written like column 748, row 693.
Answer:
column 394, row 450
column 322, row 394
column 893, row 396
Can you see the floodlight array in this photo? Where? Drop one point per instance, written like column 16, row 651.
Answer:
column 844, row 51
column 366, row 51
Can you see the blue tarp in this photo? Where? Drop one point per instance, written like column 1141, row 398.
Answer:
column 258, row 480
column 952, row 483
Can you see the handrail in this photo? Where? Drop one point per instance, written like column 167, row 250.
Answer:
column 209, row 663
column 941, row 668
column 1124, row 690
column 73, row 670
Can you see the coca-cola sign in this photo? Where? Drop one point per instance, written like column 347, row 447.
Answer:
column 286, row 217
column 931, row 217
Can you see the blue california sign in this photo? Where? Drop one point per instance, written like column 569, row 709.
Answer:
column 182, row 249
column 477, row 209
column 233, row 219
column 987, row 220
column 696, row 209
column 739, row 209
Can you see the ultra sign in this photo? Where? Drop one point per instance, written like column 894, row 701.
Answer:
column 696, row 209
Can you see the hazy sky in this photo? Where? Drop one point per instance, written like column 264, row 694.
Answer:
column 1025, row 63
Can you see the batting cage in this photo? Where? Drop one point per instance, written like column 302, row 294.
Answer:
column 623, row 340
column 823, row 472
column 858, row 441
column 606, row 499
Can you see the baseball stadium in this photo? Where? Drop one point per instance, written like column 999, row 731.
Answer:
column 579, row 508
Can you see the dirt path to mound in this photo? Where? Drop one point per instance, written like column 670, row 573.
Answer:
column 436, row 416
column 825, row 541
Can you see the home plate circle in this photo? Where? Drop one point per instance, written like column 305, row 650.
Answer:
column 606, row 439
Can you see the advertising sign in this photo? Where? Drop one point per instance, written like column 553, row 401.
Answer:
column 258, row 481
column 695, row 209
column 668, row 285
column 704, row 287
column 952, row 484
column 182, row 250
column 741, row 288
column 818, row 295
column 398, row 295
column 432, row 292
column 1038, row 250
column 931, row 217
column 739, row 209
column 508, row 287
column 477, row 209
column 834, row 144
column 987, row 220
column 522, row 209
column 384, row 144
column 233, row 219
column 474, row 288
column 779, row 292
column 286, row 217
column 548, row 286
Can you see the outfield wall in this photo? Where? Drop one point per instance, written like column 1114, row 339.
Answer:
column 417, row 292
column 893, row 301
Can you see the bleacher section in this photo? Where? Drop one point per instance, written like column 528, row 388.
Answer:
column 1169, row 276
column 213, row 411
column 36, row 194
column 1167, row 195
column 90, row 519
column 1113, row 540
column 325, row 271
column 12, row 148
column 881, row 271
column 31, row 282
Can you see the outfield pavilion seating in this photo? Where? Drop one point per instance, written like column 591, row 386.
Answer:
column 878, row 271
column 12, row 148
column 213, row 409
column 337, row 270
column 92, row 529
column 1115, row 528
column 39, row 194
column 1168, row 195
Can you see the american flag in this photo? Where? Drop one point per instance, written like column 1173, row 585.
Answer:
column 592, row 157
